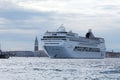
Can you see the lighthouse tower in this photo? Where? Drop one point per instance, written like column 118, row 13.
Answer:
column 36, row 47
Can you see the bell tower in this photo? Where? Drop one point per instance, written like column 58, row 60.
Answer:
column 36, row 47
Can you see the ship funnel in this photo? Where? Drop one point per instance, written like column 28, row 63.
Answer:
column 90, row 30
column 61, row 28
column 89, row 34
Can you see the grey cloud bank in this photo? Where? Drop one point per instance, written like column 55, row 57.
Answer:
column 22, row 20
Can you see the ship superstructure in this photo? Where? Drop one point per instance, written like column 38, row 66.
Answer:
column 63, row 44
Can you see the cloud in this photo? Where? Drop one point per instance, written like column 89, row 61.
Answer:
column 110, row 7
column 21, row 14
column 16, row 17
column 24, row 19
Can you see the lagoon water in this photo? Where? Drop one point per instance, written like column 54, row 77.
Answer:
column 32, row 68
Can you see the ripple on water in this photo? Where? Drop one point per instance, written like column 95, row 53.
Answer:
column 59, row 70
column 111, row 72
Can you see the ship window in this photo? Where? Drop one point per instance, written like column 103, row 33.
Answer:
column 87, row 49
column 54, row 37
column 54, row 34
column 51, row 43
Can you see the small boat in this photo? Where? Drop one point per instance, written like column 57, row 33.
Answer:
column 4, row 55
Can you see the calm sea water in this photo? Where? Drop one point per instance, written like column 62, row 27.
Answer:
column 59, row 69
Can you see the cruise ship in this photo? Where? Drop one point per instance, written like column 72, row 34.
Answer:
column 63, row 44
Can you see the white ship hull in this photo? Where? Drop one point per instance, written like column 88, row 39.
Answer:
column 63, row 44
column 62, row 52
column 62, row 49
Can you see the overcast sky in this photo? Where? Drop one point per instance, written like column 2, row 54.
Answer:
column 22, row 20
